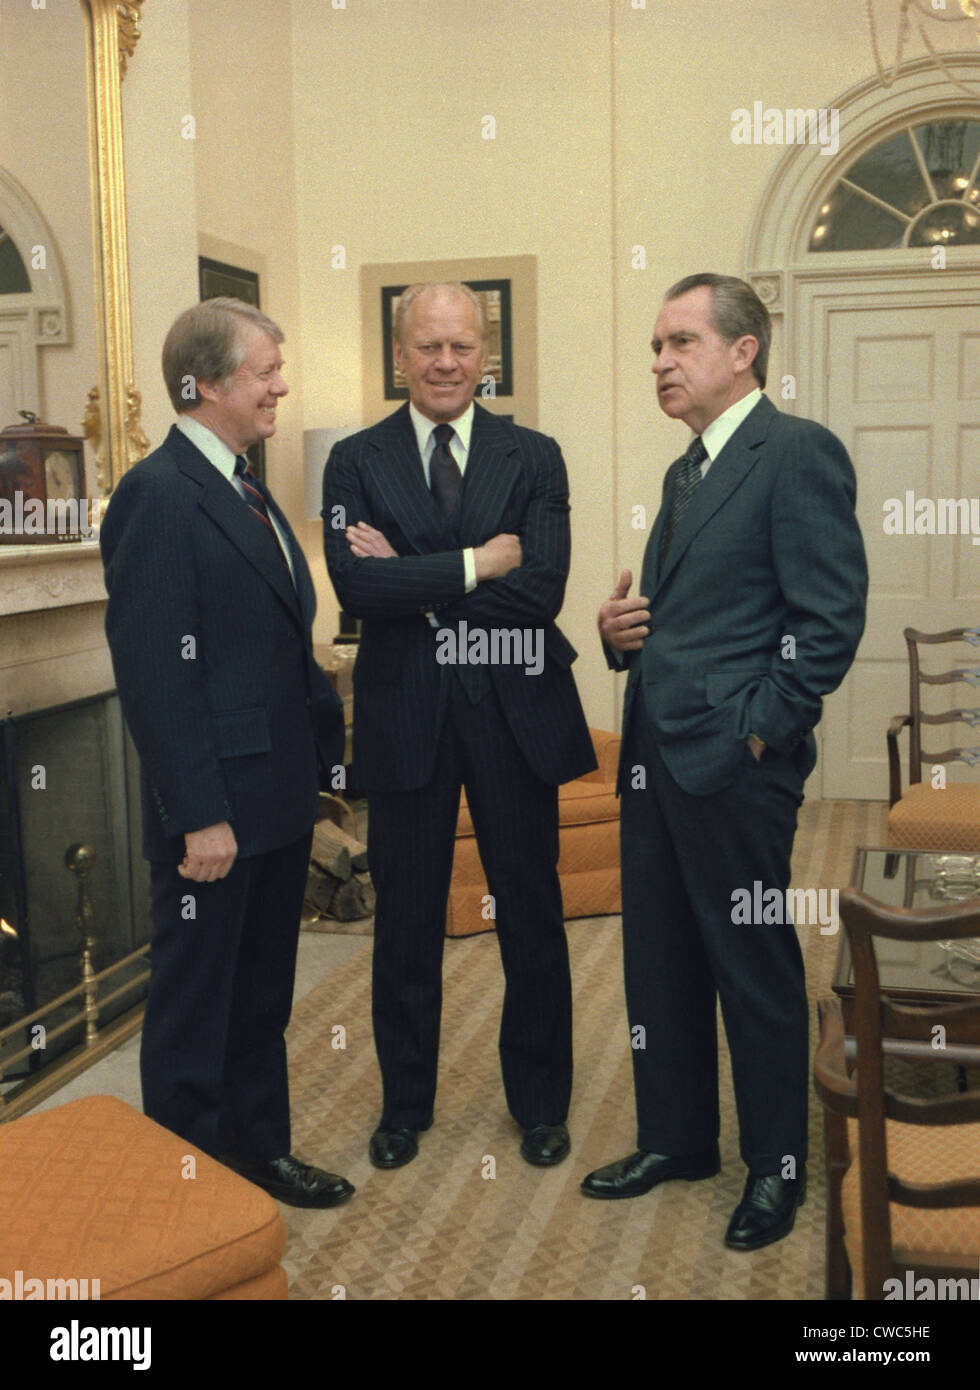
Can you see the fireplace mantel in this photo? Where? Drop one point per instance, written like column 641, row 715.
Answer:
column 33, row 577
column 52, row 641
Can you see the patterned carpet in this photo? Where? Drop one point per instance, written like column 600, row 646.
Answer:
column 469, row 1219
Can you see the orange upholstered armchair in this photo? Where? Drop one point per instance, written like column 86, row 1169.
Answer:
column 588, row 862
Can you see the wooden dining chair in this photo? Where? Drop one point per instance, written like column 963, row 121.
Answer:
column 927, row 816
column 903, row 1172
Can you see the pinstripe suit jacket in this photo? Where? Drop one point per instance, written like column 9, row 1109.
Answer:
column 769, row 549
column 211, row 647
column 514, row 482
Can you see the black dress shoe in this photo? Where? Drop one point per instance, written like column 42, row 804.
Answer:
column 767, row 1210
column 632, row 1176
column 391, row 1148
column 291, row 1181
column 546, row 1144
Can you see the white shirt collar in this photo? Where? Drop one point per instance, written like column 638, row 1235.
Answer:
column 423, row 427
column 720, row 431
column 215, row 450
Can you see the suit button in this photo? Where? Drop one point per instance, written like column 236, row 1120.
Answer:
column 309, row 702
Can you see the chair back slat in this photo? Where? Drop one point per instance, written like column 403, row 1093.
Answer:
column 874, row 1018
column 960, row 1023
column 935, row 1196
column 944, row 1110
column 918, row 717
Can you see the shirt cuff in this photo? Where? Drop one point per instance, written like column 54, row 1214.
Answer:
column 469, row 569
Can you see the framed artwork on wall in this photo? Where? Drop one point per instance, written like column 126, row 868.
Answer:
column 495, row 296
column 508, row 287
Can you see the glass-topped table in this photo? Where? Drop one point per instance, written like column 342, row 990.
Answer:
column 916, row 972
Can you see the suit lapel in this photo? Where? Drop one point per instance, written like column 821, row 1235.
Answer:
column 726, row 473
column 221, row 502
column 303, row 590
column 492, row 469
column 397, row 470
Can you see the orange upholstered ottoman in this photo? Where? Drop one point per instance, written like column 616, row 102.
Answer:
column 93, row 1190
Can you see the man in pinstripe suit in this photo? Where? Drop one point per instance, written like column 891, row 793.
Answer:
column 443, row 523
column 209, row 620
column 751, row 608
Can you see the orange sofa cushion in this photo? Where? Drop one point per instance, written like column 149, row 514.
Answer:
column 95, row 1190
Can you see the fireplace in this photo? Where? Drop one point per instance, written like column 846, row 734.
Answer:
column 58, row 712
column 69, row 857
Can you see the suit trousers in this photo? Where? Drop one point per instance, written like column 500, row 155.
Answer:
column 213, row 1055
column 411, row 840
column 683, row 857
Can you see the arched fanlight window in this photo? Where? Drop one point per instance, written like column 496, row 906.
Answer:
column 13, row 273
column 919, row 187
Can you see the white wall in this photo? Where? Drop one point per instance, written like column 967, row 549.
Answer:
column 390, row 102
column 44, row 145
column 359, row 123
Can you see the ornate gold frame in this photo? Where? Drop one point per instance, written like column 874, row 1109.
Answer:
column 112, row 416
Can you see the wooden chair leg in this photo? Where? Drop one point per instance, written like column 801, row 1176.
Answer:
column 838, row 1281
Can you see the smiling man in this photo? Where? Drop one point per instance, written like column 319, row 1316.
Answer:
column 445, row 518
column 750, row 610
column 209, row 622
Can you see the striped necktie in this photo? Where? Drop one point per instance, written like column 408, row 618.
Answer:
column 686, row 483
column 255, row 496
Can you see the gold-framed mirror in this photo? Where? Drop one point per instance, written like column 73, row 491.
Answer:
column 112, row 417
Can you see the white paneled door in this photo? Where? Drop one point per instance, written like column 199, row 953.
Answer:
column 900, row 377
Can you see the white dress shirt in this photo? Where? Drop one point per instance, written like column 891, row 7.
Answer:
column 459, row 447
column 216, row 451
column 720, row 431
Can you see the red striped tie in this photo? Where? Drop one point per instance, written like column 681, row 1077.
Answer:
column 256, row 502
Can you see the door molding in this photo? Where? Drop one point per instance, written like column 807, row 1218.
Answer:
column 777, row 248
column 37, row 318
column 799, row 285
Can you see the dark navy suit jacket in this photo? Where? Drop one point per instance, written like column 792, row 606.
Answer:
column 514, row 482
column 769, row 550
column 211, row 647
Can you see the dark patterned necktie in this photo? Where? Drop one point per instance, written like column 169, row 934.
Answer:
column 445, row 478
column 686, row 483
column 255, row 496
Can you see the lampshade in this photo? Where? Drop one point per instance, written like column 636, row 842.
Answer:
column 316, row 447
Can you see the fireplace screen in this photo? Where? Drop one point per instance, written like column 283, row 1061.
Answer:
column 69, row 777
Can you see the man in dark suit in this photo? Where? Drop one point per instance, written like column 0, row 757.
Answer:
column 752, row 605
column 209, row 622
column 446, row 531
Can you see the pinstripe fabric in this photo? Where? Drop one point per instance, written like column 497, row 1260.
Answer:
column 410, row 845
column 418, row 735
column 514, row 482
column 211, row 647
column 212, row 653
column 769, row 546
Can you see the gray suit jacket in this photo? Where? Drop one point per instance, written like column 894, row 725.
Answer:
column 759, row 607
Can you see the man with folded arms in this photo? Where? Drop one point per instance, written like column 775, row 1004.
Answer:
column 750, row 611
column 446, row 518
